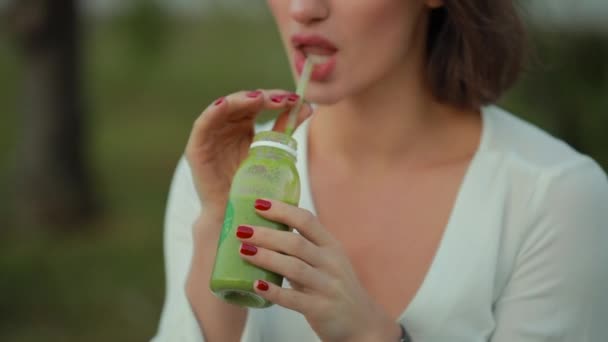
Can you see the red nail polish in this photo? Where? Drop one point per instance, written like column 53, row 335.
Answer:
column 244, row 232
column 263, row 205
column 277, row 98
column 219, row 101
column 293, row 97
column 262, row 285
column 254, row 94
column 248, row 249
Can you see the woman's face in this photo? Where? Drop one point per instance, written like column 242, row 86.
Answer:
column 362, row 41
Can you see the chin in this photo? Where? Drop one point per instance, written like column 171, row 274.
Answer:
column 324, row 93
column 320, row 97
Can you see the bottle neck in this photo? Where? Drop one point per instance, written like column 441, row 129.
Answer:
column 272, row 144
column 276, row 145
column 271, row 152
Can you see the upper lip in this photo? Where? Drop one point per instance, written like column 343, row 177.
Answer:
column 303, row 40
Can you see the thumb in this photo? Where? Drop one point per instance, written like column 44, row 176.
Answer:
column 281, row 123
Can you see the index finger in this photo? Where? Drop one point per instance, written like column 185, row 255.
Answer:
column 245, row 105
column 238, row 107
column 303, row 220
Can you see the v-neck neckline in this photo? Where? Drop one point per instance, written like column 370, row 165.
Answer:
column 432, row 279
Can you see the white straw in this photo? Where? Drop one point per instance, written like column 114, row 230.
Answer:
column 300, row 91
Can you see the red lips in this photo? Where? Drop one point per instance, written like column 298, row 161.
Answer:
column 313, row 41
column 305, row 44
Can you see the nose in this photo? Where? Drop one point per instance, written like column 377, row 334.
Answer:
column 308, row 12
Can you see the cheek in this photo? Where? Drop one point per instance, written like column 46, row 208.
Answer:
column 280, row 12
column 381, row 33
column 384, row 25
column 272, row 5
column 277, row 8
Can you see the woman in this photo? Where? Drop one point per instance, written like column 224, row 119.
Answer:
column 424, row 207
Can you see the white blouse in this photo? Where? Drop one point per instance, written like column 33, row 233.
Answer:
column 523, row 258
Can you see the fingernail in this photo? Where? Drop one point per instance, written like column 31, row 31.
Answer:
column 244, row 232
column 254, row 94
column 261, row 285
column 248, row 249
column 277, row 98
column 263, row 205
column 293, row 97
column 219, row 101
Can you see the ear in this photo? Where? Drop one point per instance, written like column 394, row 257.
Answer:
column 433, row 3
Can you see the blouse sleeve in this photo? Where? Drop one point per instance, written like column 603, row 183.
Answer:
column 177, row 322
column 558, row 290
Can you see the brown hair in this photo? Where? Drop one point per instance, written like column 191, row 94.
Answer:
column 475, row 51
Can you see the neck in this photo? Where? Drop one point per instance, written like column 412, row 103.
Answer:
column 388, row 123
column 398, row 122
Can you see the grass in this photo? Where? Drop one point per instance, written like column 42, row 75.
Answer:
column 106, row 283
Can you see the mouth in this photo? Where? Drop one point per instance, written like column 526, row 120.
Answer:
column 318, row 47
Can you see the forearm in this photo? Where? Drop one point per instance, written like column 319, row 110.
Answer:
column 219, row 320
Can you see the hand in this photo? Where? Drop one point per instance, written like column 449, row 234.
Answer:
column 325, row 288
column 222, row 134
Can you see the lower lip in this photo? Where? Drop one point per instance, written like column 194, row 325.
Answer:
column 320, row 71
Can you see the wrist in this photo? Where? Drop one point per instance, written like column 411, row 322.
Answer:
column 214, row 208
column 208, row 225
column 389, row 331
column 211, row 215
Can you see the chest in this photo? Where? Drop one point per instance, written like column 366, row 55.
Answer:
column 391, row 227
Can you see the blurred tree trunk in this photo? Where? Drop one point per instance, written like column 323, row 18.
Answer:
column 53, row 185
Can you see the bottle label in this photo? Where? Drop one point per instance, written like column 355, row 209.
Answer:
column 228, row 219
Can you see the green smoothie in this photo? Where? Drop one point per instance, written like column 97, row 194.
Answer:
column 268, row 172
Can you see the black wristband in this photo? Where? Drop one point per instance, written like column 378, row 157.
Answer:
column 405, row 337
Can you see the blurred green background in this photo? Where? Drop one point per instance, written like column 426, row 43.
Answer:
column 147, row 73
